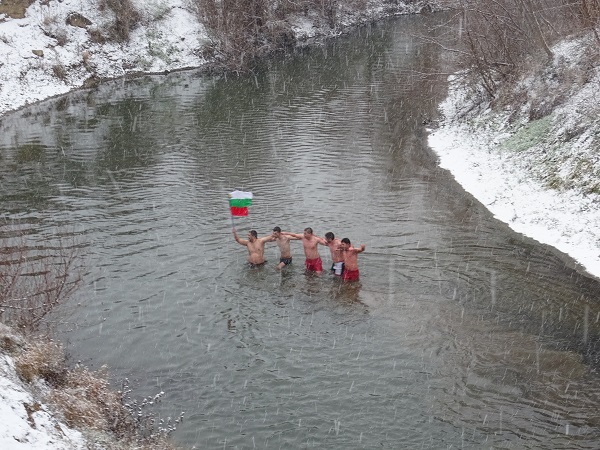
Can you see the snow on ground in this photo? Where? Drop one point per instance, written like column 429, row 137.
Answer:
column 508, row 165
column 169, row 39
column 25, row 423
column 567, row 221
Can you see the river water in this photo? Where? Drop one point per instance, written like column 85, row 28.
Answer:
column 460, row 334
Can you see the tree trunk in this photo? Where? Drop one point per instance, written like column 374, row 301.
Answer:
column 535, row 25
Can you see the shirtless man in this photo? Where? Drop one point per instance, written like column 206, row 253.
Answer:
column 350, row 260
column 337, row 257
column 283, row 242
column 310, row 242
column 255, row 246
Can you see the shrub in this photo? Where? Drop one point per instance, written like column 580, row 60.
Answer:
column 42, row 359
column 500, row 38
column 245, row 29
column 126, row 18
column 33, row 279
column 59, row 71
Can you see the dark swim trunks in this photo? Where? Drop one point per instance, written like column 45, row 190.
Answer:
column 286, row 261
column 314, row 265
column 350, row 275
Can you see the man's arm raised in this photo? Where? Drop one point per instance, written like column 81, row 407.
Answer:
column 237, row 239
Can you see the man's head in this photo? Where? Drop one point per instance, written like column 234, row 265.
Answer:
column 329, row 236
column 345, row 244
column 276, row 231
column 252, row 234
column 308, row 232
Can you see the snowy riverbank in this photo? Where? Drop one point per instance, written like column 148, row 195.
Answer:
column 541, row 177
column 41, row 56
column 26, row 423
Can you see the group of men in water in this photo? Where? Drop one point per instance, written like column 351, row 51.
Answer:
column 343, row 255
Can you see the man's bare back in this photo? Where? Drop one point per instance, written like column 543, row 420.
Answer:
column 337, row 256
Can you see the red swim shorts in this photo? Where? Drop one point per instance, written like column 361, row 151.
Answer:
column 350, row 275
column 314, row 265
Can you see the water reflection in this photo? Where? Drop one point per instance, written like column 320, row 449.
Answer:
column 460, row 333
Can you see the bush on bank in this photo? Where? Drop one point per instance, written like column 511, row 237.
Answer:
column 33, row 282
column 502, row 39
column 242, row 30
column 527, row 77
column 81, row 399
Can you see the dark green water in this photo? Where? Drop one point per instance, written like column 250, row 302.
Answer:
column 461, row 333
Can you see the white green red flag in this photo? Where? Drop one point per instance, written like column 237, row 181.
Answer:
column 239, row 202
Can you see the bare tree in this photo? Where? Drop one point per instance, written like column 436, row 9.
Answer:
column 530, row 15
column 241, row 30
column 34, row 280
column 590, row 15
column 501, row 37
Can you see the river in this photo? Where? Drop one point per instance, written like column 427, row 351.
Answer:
column 460, row 334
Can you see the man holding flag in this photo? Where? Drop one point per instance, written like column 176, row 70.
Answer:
column 256, row 247
column 239, row 202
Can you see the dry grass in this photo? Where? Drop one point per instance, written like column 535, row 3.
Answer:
column 15, row 8
column 84, row 400
column 87, row 401
column 42, row 359
column 60, row 71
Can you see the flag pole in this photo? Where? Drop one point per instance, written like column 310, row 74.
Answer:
column 232, row 222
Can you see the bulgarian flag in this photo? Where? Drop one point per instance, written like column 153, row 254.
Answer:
column 239, row 202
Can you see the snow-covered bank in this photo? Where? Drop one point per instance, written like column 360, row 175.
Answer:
column 26, row 422
column 42, row 56
column 35, row 66
column 539, row 176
